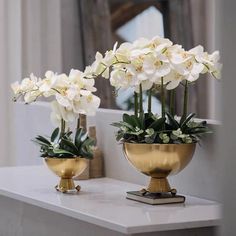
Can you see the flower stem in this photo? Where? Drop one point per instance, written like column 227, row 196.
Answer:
column 83, row 122
column 162, row 99
column 150, row 100
column 185, row 107
column 172, row 102
column 136, row 104
column 163, row 107
column 140, row 99
column 63, row 127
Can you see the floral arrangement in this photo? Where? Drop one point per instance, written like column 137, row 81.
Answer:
column 151, row 66
column 156, row 65
column 71, row 97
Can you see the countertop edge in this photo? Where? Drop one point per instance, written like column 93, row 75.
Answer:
column 111, row 225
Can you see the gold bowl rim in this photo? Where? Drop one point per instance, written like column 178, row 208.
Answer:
column 64, row 158
column 158, row 144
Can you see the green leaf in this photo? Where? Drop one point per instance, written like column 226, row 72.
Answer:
column 68, row 134
column 69, row 146
column 119, row 136
column 62, row 151
column 131, row 120
column 117, row 124
column 126, row 118
column 55, row 134
column 202, row 130
column 142, row 120
column 78, row 135
column 156, row 125
column 86, row 148
column 43, row 140
column 88, row 142
column 172, row 121
column 135, row 121
column 85, row 154
column 41, row 143
column 84, row 137
column 149, row 119
column 189, row 117
column 122, row 123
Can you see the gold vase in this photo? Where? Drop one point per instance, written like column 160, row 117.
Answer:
column 66, row 169
column 159, row 161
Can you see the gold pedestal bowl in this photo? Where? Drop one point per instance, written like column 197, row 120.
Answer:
column 159, row 161
column 66, row 169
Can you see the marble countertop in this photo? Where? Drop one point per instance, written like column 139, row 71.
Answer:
column 102, row 202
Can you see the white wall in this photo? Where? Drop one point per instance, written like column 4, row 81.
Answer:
column 226, row 35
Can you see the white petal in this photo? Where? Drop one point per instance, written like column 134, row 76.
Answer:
column 62, row 100
column 16, row 87
column 198, row 50
column 98, row 56
column 173, row 84
column 163, row 70
column 106, row 74
column 146, row 85
column 49, row 74
column 85, row 92
column 192, row 77
column 142, row 76
column 114, row 47
column 197, row 68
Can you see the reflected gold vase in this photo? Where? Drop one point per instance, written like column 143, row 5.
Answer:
column 159, row 161
column 66, row 169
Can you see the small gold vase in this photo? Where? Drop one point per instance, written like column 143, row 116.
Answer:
column 66, row 169
column 159, row 161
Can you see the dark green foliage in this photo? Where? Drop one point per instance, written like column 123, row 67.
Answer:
column 63, row 146
column 148, row 128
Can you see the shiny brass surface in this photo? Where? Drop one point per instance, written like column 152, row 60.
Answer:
column 66, row 169
column 159, row 161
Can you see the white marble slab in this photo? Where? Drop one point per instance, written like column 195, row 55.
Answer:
column 102, row 202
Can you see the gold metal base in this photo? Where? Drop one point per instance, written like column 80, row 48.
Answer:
column 67, row 185
column 66, row 169
column 159, row 161
column 158, row 185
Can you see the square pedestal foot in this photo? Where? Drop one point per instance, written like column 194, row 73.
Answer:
column 155, row 198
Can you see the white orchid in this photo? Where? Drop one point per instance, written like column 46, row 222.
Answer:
column 123, row 53
column 210, row 62
column 60, row 112
column 159, row 44
column 29, row 83
column 16, row 88
column 72, row 94
column 155, row 68
column 99, row 66
column 190, row 69
column 87, row 104
column 31, row 96
column 212, row 65
column 146, row 85
column 47, row 84
column 121, row 79
column 79, row 78
column 28, row 88
column 173, row 79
